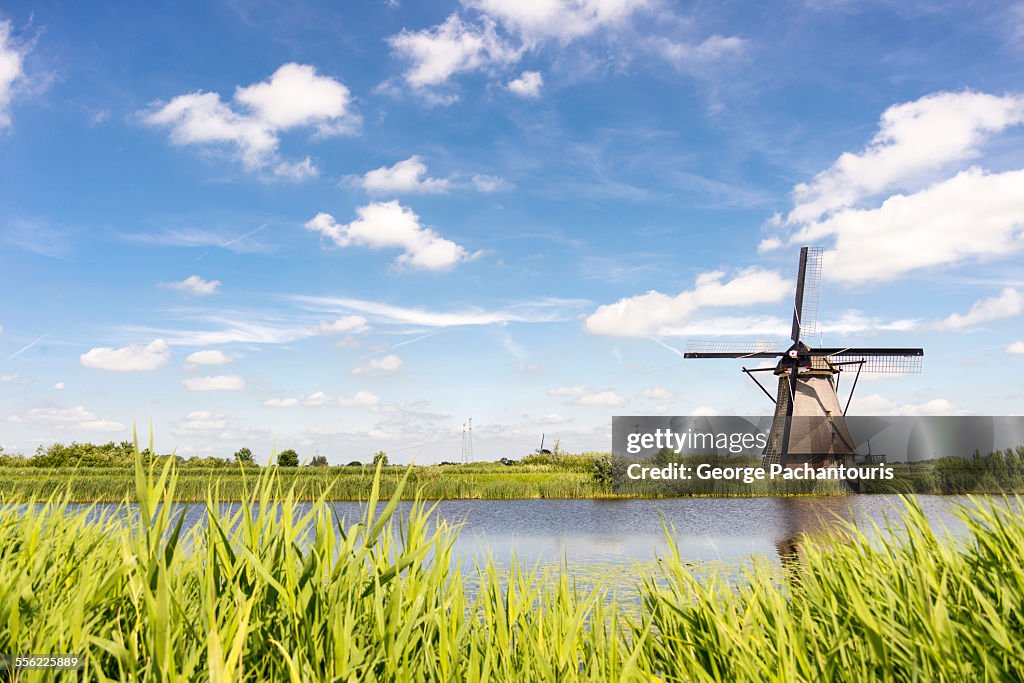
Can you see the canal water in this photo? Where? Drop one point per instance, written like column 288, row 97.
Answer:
column 586, row 533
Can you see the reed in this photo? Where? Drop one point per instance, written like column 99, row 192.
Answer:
column 273, row 591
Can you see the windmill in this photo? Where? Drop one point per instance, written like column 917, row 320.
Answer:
column 809, row 425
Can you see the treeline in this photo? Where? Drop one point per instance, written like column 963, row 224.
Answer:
column 999, row 471
column 121, row 454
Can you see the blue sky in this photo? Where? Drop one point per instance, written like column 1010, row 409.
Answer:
column 350, row 228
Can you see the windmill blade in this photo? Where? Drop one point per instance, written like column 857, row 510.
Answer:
column 805, row 301
column 700, row 348
column 812, row 292
column 889, row 361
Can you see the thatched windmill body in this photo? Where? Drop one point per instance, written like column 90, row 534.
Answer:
column 809, row 424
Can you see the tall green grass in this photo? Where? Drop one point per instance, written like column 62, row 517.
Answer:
column 280, row 592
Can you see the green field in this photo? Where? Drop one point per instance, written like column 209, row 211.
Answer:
column 272, row 593
column 91, row 472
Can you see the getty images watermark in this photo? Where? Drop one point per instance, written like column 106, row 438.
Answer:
column 665, row 440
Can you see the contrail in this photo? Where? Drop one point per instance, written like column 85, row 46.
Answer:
column 670, row 348
column 234, row 241
column 248, row 234
column 26, row 347
column 413, row 341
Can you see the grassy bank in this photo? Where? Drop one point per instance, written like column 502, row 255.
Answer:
column 268, row 593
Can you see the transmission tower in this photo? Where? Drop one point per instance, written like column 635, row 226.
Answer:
column 467, row 441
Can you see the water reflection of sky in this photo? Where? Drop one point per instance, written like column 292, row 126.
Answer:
column 582, row 533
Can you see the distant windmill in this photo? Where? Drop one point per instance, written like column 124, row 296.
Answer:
column 809, row 379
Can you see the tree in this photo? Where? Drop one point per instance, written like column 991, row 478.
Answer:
column 288, row 458
column 243, row 455
column 318, row 461
column 355, row 463
column 380, row 458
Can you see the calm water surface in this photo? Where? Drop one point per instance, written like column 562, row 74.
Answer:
column 581, row 533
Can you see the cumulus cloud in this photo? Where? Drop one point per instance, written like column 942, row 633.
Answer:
column 67, row 419
column 212, row 357
column 389, row 363
column 59, row 386
column 194, row 286
column 349, row 324
column 405, row 177
column 655, row 313
column 12, row 57
column 215, row 383
column 914, row 140
column 562, row 20
column 1015, row 347
column 295, row 96
column 974, row 214
column 454, row 46
column 527, row 85
column 132, row 358
column 1009, row 304
column 383, row 225
column 901, row 204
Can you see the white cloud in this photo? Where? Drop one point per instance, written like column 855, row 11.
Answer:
column 532, row 311
column 604, row 399
column 914, row 140
column 876, row 404
column 687, row 56
column 490, row 183
column 213, row 357
column 1015, row 347
column 658, row 393
column 384, row 225
column 67, row 418
column 704, row 411
column 294, row 96
column 12, row 57
column 59, row 386
column 133, row 358
column 452, row 47
column 389, row 363
column 361, row 398
column 408, row 176
column 563, row 20
column 567, row 391
column 527, row 85
column 215, row 383
column 281, row 402
column 350, row 324
column 194, row 286
column 1008, row 304
column 296, row 170
column 583, row 396
column 971, row 215
column 552, row 419
column 655, row 313
column 200, row 421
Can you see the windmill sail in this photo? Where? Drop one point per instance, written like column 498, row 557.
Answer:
column 704, row 348
column 808, row 286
